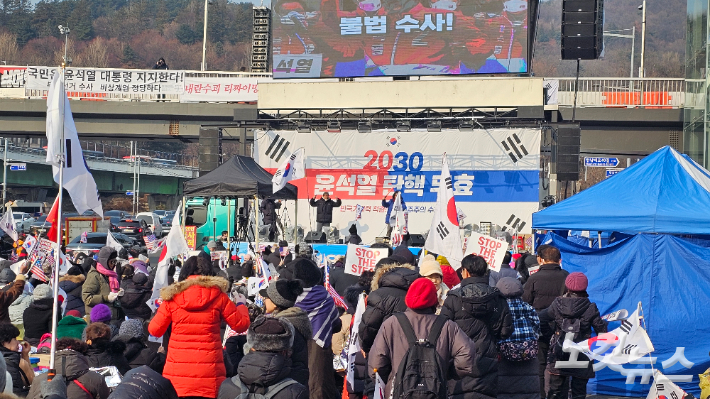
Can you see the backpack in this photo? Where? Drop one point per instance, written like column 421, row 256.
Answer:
column 270, row 391
column 420, row 374
column 568, row 326
column 45, row 343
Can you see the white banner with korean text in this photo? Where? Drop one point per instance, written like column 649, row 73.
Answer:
column 221, row 89
column 495, row 175
column 109, row 81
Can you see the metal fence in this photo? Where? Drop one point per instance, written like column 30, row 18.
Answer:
column 623, row 92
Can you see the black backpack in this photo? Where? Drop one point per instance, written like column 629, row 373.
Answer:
column 420, row 374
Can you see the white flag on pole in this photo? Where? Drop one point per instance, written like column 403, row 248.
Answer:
column 294, row 168
column 664, row 388
column 444, row 238
column 379, row 387
column 113, row 243
column 78, row 181
column 175, row 245
column 7, row 224
column 354, row 342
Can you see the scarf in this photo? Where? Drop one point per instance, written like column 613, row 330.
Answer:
column 112, row 277
column 321, row 312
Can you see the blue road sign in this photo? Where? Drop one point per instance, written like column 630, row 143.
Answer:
column 129, row 193
column 17, row 167
column 612, row 172
column 601, row 162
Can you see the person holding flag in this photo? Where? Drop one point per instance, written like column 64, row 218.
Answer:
column 394, row 206
column 444, row 238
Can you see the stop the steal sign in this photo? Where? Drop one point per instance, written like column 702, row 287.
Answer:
column 360, row 258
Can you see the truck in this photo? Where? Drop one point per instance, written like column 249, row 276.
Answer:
column 210, row 216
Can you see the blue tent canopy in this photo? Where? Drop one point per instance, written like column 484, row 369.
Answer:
column 666, row 192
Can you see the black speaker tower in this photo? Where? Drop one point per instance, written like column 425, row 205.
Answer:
column 565, row 152
column 582, row 29
column 210, row 142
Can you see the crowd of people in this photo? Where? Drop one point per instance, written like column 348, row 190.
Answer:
column 467, row 333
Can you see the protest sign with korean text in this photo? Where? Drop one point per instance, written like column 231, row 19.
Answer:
column 121, row 81
column 489, row 248
column 360, row 258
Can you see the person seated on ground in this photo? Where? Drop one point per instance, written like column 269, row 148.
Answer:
column 102, row 351
column 72, row 325
column 37, row 318
column 144, row 383
column 81, row 383
column 17, row 359
column 16, row 311
column 137, row 353
column 136, row 292
column 265, row 368
column 71, row 283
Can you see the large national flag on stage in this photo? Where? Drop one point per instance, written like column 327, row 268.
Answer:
column 294, row 168
column 444, row 238
column 78, row 181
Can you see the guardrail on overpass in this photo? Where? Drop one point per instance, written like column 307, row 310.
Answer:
column 37, row 155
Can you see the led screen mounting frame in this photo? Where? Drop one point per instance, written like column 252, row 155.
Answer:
column 368, row 38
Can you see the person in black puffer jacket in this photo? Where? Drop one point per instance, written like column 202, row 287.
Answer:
column 339, row 279
column 17, row 363
column 38, row 316
column 574, row 306
column 71, row 283
column 388, row 288
column 356, row 387
column 280, row 301
column 104, row 352
column 73, row 365
column 144, row 383
column 483, row 314
column 137, row 291
column 137, row 353
column 266, row 363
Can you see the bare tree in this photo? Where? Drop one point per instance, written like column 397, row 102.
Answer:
column 94, row 55
column 8, row 48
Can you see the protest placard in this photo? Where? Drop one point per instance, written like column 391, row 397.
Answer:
column 360, row 258
column 489, row 248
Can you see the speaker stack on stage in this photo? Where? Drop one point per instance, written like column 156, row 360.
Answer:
column 565, row 152
column 582, row 29
column 314, row 237
column 210, row 142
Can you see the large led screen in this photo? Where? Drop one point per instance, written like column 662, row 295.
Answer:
column 358, row 38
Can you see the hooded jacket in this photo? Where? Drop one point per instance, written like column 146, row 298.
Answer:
column 483, row 315
column 299, row 350
column 95, row 291
column 196, row 307
column 135, row 296
column 260, row 370
column 544, row 286
column 72, row 286
column 390, row 346
column 38, row 319
column 73, row 366
column 324, row 209
column 17, row 308
column 144, row 383
column 104, row 353
column 388, row 288
column 138, row 354
column 572, row 307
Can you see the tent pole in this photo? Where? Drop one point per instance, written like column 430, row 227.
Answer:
column 256, row 223
column 184, row 205
column 599, row 238
column 295, row 224
column 229, row 229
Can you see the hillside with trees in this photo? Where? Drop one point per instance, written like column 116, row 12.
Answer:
column 135, row 33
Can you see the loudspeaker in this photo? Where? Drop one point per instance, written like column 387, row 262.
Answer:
column 210, row 142
column 315, row 237
column 582, row 29
column 416, row 240
column 565, row 152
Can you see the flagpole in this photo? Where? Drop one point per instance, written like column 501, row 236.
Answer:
column 57, row 257
column 650, row 358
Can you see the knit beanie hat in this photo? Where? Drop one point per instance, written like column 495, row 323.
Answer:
column 131, row 328
column 269, row 334
column 451, row 279
column 42, row 291
column 430, row 266
column 140, row 278
column 74, row 313
column 283, row 293
column 421, row 294
column 403, row 255
column 106, row 254
column 7, row 276
column 74, row 271
column 139, row 266
column 100, row 313
column 576, row 281
column 388, row 261
column 510, row 287
column 307, row 271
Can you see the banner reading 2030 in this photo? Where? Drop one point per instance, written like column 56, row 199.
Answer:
column 495, row 174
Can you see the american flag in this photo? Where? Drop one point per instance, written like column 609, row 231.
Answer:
column 38, row 272
column 339, row 301
column 150, row 242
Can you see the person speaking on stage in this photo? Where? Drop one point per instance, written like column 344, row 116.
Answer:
column 390, row 204
column 324, row 207
column 268, row 209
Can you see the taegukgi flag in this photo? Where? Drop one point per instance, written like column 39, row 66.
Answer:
column 294, row 168
column 175, row 245
column 78, row 181
column 444, row 238
column 7, row 224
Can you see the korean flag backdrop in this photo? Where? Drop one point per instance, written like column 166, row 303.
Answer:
column 495, row 173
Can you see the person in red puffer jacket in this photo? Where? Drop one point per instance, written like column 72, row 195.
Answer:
column 196, row 306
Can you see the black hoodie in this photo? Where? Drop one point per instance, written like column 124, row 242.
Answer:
column 108, row 353
column 138, row 354
column 73, row 366
column 259, row 371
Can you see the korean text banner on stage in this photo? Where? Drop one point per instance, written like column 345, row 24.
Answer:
column 495, row 174
column 355, row 38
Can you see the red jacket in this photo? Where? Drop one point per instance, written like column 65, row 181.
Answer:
column 196, row 307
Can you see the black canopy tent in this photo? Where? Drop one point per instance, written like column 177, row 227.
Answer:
column 240, row 177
